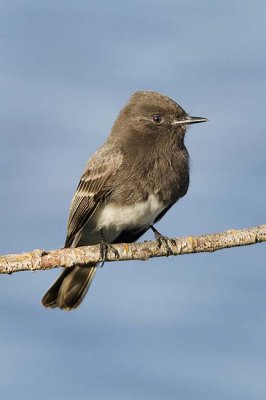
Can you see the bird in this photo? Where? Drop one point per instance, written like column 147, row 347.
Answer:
column 128, row 185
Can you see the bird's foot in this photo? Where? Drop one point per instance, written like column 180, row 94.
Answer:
column 104, row 248
column 163, row 241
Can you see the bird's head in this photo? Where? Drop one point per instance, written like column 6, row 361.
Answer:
column 150, row 114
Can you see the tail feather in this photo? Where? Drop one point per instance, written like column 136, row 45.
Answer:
column 68, row 291
column 50, row 297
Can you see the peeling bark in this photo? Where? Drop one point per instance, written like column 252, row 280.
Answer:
column 42, row 260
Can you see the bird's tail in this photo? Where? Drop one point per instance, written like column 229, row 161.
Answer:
column 68, row 291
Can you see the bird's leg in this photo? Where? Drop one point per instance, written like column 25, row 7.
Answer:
column 104, row 247
column 163, row 240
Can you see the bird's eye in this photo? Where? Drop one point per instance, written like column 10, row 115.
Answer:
column 157, row 119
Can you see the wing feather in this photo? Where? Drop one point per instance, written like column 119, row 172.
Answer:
column 92, row 189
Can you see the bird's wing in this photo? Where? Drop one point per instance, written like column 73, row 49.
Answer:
column 92, row 189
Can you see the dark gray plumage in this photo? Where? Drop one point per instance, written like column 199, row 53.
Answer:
column 128, row 185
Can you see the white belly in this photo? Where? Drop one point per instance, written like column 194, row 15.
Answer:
column 120, row 218
column 113, row 220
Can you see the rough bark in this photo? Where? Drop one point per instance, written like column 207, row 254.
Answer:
column 42, row 260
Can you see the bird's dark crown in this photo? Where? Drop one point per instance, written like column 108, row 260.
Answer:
column 152, row 110
column 146, row 96
column 147, row 103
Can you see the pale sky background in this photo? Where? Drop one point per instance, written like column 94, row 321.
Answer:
column 190, row 327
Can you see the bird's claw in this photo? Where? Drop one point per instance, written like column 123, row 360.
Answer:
column 167, row 242
column 104, row 248
column 163, row 241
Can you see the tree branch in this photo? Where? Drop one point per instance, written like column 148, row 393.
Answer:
column 42, row 260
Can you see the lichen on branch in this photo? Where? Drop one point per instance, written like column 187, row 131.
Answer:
column 68, row 257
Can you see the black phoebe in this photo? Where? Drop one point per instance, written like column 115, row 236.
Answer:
column 127, row 186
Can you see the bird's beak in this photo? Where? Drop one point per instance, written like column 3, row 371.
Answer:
column 190, row 120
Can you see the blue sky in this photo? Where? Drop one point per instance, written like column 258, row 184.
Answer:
column 190, row 327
